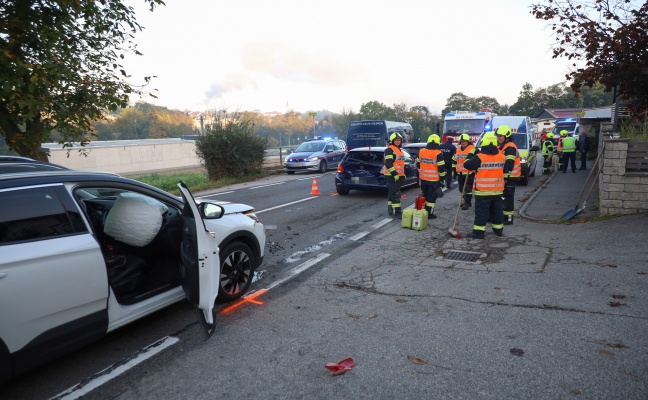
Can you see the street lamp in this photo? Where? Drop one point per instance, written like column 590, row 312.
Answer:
column 313, row 114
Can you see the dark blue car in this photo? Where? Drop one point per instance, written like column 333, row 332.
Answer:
column 361, row 169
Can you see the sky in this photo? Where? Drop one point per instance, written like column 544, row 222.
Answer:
column 282, row 55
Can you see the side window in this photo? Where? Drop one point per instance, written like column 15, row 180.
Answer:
column 37, row 213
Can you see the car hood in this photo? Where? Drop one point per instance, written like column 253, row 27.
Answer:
column 230, row 208
column 302, row 155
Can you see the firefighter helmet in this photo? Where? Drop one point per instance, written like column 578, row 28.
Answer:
column 550, row 135
column 563, row 133
column 464, row 136
column 395, row 136
column 434, row 138
column 504, row 130
column 489, row 139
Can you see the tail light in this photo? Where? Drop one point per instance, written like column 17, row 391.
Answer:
column 340, row 169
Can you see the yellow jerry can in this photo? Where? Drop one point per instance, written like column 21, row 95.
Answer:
column 419, row 220
column 406, row 221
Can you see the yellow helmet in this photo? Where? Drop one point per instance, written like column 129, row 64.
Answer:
column 550, row 135
column 395, row 136
column 464, row 136
column 563, row 133
column 434, row 138
column 504, row 130
column 489, row 139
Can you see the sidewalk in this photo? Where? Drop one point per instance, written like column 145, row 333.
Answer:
column 560, row 194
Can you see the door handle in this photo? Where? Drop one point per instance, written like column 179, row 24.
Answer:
column 3, row 274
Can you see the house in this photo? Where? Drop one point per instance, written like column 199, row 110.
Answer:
column 587, row 118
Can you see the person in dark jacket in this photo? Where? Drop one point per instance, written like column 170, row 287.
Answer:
column 583, row 145
column 448, row 149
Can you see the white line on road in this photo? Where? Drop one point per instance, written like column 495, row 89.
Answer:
column 362, row 234
column 299, row 269
column 85, row 387
column 269, row 184
column 284, row 205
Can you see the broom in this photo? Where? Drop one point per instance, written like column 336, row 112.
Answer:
column 452, row 230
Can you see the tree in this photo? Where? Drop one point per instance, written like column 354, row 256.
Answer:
column 230, row 146
column 377, row 110
column 525, row 104
column 610, row 37
column 459, row 102
column 60, row 68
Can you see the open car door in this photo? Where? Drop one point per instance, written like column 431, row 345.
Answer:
column 200, row 269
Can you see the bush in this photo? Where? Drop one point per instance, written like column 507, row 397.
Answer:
column 230, row 148
column 635, row 130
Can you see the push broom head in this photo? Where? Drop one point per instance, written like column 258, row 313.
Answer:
column 454, row 233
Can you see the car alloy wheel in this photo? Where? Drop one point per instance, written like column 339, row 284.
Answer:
column 237, row 271
column 322, row 166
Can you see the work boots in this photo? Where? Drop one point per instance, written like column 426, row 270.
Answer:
column 508, row 220
column 390, row 210
column 430, row 213
column 476, row 235
column 466, row 205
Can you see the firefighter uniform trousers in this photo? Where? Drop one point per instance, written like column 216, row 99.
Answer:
column 509, row 198
column 488, row 208
column 468, row 193
column 394, row 193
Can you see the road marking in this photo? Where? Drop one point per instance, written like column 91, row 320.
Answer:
column 214, row 194
column 269, row 184
column 284, row 205
column 362, row 234
column 85, row 387
column 299, row 269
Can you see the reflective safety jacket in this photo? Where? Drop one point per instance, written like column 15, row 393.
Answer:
column 547, row 148
column 460, row 158
column 489, row 178
column 431, row 163
column 568, row 144
column 394, row 161
column 512, row 168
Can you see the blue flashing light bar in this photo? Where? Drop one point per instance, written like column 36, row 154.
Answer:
column 450, row 115
column 481, row 113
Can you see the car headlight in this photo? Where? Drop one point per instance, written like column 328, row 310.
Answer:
column 315, row 158
column 523, row 160
column 253, row 216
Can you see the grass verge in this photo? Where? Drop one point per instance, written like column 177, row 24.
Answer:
column 196, row 179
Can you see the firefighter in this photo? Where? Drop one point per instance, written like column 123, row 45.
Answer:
column 559, row 152
column 394, row 171
column 547, row 154
column 569, row 152
column 448, row 148
column 464, row 152
column 489, row 187
column 512, row 170
column 432, row 172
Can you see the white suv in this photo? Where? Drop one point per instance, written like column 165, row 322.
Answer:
column 84, row 253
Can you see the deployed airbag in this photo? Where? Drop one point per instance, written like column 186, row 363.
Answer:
column 134, row 219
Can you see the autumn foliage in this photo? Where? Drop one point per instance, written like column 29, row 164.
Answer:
column 606, row 41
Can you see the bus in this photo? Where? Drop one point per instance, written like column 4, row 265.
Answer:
column 375, row 133
column 472, row 123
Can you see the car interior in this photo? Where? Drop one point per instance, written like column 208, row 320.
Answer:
column 140, row 240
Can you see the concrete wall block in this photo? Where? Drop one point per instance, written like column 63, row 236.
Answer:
column 615, row 187
column 637, row 205
column 612, row 154
column 612, row 203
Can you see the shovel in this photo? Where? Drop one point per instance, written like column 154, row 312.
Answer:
column 582, row 208
column 452, row 230
column 572, row 213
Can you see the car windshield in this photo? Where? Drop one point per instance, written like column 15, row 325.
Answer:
column 310, row 147
column 520, row 140
column 366, row 156
column 470, row 126
column 569, row 127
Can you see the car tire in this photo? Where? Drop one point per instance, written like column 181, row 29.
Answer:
column 290, row 172
column 322, row 166
column 524, row 180
column 343, row 191
column 237, row 270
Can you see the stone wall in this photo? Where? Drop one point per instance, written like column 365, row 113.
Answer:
column 620, row 192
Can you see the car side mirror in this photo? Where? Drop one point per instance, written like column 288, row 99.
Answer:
column 211, row 210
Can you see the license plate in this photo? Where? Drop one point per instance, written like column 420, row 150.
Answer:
column 296, row 164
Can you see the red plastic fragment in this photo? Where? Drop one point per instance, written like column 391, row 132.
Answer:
column 345, row 365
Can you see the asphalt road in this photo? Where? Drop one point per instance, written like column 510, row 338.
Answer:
column 536, row 316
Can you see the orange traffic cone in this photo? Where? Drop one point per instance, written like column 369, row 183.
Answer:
column 314, row 190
